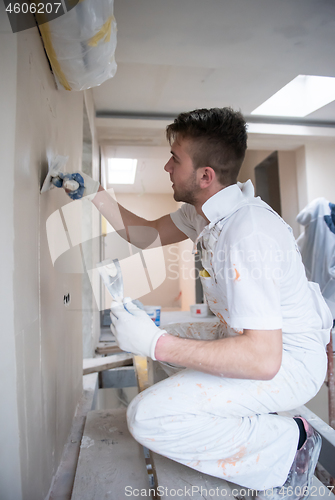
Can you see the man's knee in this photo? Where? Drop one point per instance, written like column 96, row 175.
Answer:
column 138, row 416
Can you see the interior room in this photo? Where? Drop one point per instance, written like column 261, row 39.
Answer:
column 171, row 57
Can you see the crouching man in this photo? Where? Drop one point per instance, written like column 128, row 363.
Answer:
column 218, row 414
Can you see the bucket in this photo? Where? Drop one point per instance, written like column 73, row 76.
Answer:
column 199, row 310
column 154, row 312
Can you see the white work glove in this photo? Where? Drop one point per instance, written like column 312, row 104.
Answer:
column 134, row 330
column 77, row 185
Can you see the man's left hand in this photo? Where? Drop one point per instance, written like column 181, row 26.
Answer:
column 133, row 329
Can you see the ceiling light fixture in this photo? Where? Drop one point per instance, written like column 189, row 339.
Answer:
column 303, row 95
column 121, row 170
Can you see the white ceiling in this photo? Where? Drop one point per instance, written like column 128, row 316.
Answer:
column 178, row 55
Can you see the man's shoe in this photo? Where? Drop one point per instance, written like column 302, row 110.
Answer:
column 299, row 479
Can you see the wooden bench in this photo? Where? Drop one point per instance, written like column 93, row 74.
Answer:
column 107, row 348
column 112, row 465
column 91, row 365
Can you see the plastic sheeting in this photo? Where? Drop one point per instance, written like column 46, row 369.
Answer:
column 81, row 45
column 317, row 247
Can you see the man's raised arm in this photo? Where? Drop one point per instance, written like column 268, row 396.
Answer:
column 138, row 231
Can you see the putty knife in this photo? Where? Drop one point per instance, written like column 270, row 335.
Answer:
column 110, row 272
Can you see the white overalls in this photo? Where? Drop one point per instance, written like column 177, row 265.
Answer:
column 223, row 426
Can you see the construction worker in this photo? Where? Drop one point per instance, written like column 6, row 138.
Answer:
column 218, row 415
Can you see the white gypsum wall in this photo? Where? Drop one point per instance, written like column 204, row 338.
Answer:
column 91, row 247
column 10, row 473
column 47, row 333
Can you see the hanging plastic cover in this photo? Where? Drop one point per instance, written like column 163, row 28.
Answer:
column 81, row 45
column 317, row 247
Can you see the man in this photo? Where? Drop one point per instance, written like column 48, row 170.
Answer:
column 217, row 416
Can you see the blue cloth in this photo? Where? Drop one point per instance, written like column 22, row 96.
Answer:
column 58, row 181
column 76, row 195
column 330, row 219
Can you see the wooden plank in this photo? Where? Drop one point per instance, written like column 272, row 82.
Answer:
column 141, row 368
column 176, row 480
column 173, row 477
column 91, row 365
column 107, row 348
column 64, row 479
column 111, row 463
column 145, row 378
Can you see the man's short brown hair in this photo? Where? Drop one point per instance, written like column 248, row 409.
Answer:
column 218, row 139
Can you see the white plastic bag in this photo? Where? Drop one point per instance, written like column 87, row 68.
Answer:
column 81, row 45
column 317, row 248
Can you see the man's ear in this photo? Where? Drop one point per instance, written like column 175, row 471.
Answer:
column 206, row 177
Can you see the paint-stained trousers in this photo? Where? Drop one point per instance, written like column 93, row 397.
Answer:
column 223, row 426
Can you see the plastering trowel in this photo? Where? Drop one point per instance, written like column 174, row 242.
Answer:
column 110, row 272
column 52, row 179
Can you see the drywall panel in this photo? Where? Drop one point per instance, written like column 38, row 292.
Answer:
column 90, row 227
column 88, row 97
column 10, row 484
column 47, row 332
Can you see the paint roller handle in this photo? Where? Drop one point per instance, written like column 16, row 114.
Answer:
column 70, row 185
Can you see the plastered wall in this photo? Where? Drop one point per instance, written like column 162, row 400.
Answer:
column 43, row 345
column 91, row 248
column 10, row 469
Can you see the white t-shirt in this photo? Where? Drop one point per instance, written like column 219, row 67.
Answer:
column 257, row 265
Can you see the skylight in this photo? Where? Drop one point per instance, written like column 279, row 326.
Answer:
column 303, row 95
column 121, row 170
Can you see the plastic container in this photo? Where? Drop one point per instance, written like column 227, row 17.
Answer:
column 154, row 312
column 199, row 310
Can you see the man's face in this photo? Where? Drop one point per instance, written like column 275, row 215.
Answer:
column 182, row 173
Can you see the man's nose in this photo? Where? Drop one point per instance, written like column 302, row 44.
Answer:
column 168, row 166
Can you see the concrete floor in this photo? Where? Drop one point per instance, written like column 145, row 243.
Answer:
column 115, row 398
